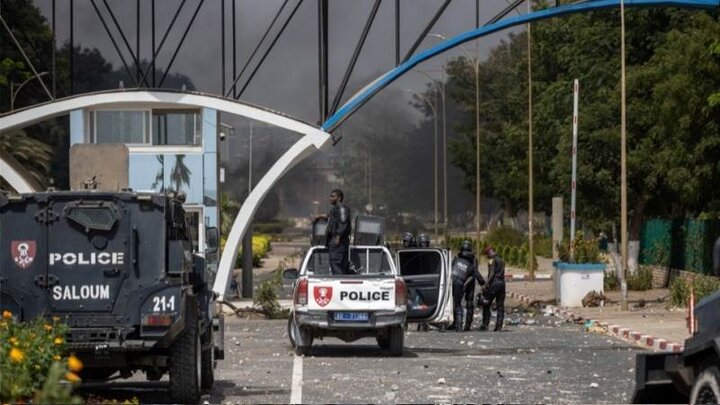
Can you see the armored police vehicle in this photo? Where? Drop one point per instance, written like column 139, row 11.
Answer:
column 691, row 376
column 120, row 270
column 375, row 299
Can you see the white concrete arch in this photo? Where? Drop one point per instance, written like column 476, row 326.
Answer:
column 312, row 140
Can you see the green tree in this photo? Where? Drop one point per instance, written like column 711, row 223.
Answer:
column 673, row 129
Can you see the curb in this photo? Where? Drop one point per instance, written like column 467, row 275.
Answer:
column 647, row 341
column 526, row 277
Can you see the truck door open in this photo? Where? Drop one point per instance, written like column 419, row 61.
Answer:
column 425, row 273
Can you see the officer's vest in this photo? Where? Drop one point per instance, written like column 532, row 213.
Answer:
column 461, row 268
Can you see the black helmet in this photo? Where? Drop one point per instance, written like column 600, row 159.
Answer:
column 466, row 246
column 423, row 240
column 408, row 240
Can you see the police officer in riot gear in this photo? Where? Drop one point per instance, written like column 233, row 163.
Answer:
column 408, row 240
column 494, row 290
column 423, row 240
column 464, row 274
column 338, row 233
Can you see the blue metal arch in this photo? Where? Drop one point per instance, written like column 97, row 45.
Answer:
column 380, row 83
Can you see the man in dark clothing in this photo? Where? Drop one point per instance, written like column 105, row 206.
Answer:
column 338, row 233
column 494, row 290
column 464, row 274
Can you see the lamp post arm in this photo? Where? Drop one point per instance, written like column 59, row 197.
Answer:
column 16, row 90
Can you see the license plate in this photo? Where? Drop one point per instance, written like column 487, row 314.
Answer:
column 351, row 316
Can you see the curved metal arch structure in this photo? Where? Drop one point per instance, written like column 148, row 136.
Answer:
column 365, row 94
column 312, row 140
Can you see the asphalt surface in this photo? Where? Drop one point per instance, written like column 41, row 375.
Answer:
column 539, row 363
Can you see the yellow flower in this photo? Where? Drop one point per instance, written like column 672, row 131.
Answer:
column 48, row 327
column 16, row 355
column 58, row 340
column 7, row 314
column 72, row 377
column 74, row 364
column 56, row 357
column 14, row 341
column 56, row 318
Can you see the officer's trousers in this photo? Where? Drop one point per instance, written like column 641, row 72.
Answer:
column 338, row 258
column 496, row 292
column 459, row 291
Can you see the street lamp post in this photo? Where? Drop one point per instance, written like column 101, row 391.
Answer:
column 433, row 108
column 441, row 88
column 476, row 66
column 14, row 92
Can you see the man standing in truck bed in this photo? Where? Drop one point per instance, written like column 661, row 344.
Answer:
column 338, row 233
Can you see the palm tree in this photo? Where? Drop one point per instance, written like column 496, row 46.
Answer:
column 180, row 173
column 160, row 175
column 34, row 155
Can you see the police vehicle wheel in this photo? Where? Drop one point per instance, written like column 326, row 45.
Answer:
column 305, row 337
column 207, row 372
column 383, row 342
column 706, row 388
column 291, row 331
column 397, row 341
column 186, row 361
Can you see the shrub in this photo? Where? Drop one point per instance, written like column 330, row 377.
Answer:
column 31, row 362
column 641, row 280
column 275, row 227
column 266, row 296
column 261, row 245
column 611, row 282
column 504, row 236
column 522, row 257
column 586, row 250
column 702, row 286
column 513, row 256
column 542, row 244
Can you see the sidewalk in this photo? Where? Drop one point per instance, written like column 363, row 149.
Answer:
column 648, row 321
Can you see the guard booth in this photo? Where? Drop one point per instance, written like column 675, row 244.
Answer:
column 169, row 149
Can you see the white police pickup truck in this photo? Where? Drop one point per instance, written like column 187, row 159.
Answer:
column 372, row 303
column 382, row 295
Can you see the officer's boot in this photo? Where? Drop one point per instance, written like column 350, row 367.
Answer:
column 500, row 319
column 458, row 320
column 485, row 318
column 468, row 319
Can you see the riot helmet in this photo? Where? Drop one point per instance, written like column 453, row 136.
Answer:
column 466, row 247
column 423, row 240
column 408, row 240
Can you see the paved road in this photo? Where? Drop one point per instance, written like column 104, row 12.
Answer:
column 538, row 363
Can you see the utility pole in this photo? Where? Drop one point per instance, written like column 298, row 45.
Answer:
column 531, row 211
column 623, row 165
column 247, row 254
column 478, row 217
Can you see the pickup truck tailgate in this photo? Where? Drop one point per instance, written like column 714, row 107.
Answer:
column 369, row 294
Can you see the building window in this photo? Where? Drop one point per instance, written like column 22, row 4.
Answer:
column 126, row 126
column 176, row 128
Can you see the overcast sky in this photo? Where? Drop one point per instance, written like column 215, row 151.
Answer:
column 288, row 79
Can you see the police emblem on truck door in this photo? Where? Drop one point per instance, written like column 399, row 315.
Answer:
column 23, row 252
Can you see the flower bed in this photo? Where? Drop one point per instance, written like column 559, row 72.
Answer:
column 32, row 365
